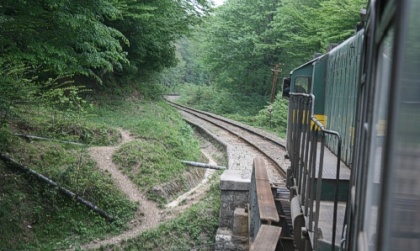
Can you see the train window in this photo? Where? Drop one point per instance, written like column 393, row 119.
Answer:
column 302, row 85
column 378, row 133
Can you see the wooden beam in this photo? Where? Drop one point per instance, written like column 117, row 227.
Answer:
column 266, row 205
column 267, row 238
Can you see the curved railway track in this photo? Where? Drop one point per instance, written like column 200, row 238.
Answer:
column 267, row 145
column 248, row 144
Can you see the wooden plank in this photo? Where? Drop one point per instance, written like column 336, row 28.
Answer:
column 267, row 207
column 267, row 238
column 260, row 172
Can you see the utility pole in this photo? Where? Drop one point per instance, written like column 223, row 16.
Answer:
column 275, row 71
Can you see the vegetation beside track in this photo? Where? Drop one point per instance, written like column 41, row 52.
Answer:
column 35, row 216
column 162, row 140
column 251, row 110
column 194, row 229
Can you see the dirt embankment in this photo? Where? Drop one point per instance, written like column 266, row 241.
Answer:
column 149, row 215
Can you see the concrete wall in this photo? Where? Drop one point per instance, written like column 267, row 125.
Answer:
column 234, row 186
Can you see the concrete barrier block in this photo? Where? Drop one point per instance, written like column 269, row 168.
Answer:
column 240, row 222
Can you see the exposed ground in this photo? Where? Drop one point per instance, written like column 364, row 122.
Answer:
column 240, row 157
column 148, row 215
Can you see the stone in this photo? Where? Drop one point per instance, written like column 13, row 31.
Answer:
column 235, row 180
column 240, row 222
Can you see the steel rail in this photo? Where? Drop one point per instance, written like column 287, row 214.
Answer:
column 229, row 122
column 202, row 115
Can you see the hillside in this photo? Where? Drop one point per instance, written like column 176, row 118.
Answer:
column 36, row 216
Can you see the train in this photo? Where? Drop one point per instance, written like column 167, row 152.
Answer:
column 353, row 137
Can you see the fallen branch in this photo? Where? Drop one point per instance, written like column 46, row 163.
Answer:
column 41, row 138
column 202, row 165
column 63, row 190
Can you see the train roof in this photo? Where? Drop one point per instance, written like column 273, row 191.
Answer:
column 348, row 40
column 345, row 42
column 306, row 64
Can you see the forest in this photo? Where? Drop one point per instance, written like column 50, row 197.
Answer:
column 77, row 70
column 113, row 45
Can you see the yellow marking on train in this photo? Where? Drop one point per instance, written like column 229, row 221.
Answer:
column 321, row 118
column 381, row 127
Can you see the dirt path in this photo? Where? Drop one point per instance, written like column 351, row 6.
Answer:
column 148, row 215
column 192, row 196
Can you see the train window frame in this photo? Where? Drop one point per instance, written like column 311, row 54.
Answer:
column 286, row 87
column 387, row 18
column 382, row 83
column 406, row 12
column 308, row 89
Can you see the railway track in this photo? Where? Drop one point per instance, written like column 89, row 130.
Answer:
column 269, row 146
column 249, row 144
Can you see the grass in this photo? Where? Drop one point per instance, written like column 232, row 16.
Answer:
column 194, row 229
column 163, row 139
column 34, row 216
column 251, row 110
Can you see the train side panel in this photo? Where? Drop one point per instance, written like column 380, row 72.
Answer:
column 341, row 93
column 319, row 77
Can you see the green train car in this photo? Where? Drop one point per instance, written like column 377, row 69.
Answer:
column 332, row 79
column 353, row 137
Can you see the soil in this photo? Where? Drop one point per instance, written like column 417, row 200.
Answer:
column 148, row 215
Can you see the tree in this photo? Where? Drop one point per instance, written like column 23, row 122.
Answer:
column 306, row 27
column 236, row 45
column 95, row 38
column 61, row 37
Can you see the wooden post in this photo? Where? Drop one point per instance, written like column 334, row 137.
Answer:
column 275, row 71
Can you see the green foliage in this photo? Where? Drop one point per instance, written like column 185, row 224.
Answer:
column 189, row 68
column 250, row 110
column 15, row 86
column 67, row 101
column 195, row 229
column 100, row 41
column 153, row 27
column 35, row 216
column 6, row 139
column 275, row 122
column 220, row 101
column 47, row 122
column 244, row 39
column 165, row 140
column 303, row 28
column 63, row 38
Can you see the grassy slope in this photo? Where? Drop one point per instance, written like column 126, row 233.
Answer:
column 163, row 139
column 195, row 229
column 36, row 217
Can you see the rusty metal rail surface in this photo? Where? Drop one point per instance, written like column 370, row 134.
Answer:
column 210, row 118
column 304, row 132
column 262, row 209
column 263, row 215
column 188, row 109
